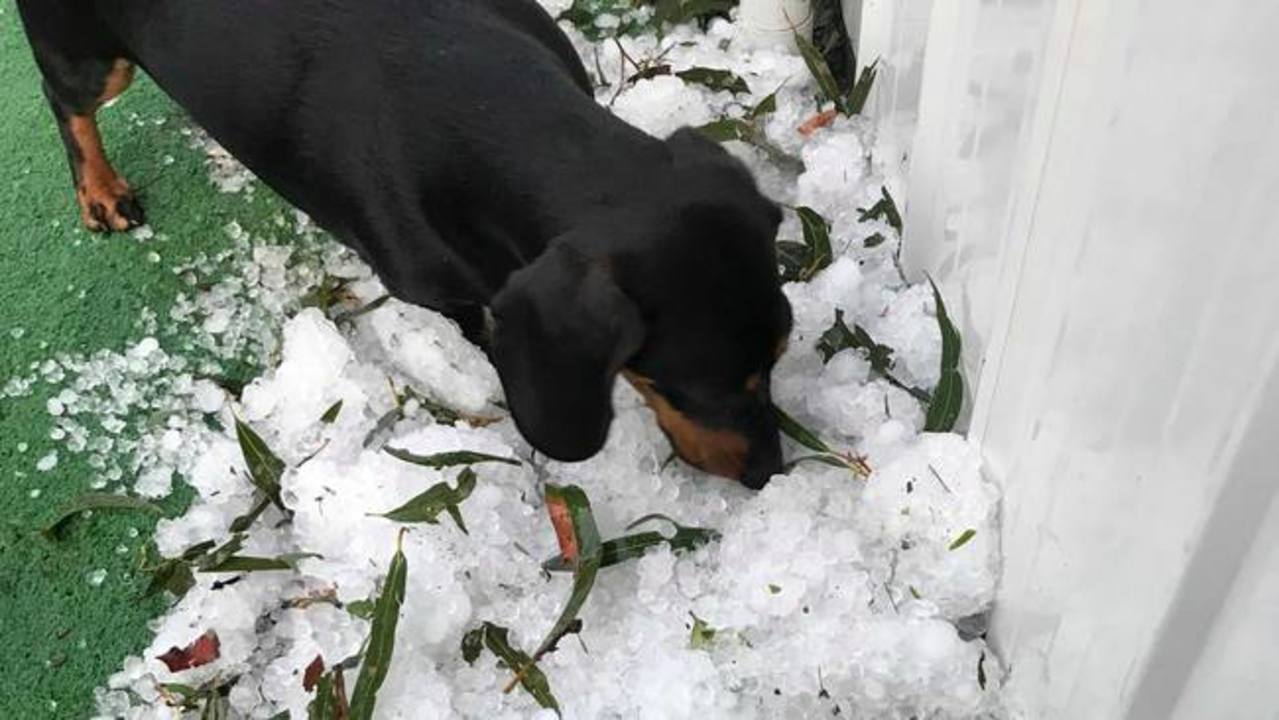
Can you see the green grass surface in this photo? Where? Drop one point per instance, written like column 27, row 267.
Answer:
column 62, row 636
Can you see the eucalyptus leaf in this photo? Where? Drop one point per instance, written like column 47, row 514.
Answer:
column 426, row 507
column 245, row 521
column 800, row 434
column 381, row 645
column 884, row 209
column 801, row 261
column 331, row 414
column 588, row 556
column 962, row 540
column 630, row 547
column 860, row 93
column 767, row 106
column 330, row 697
column 715, row 79
column 821, row 72
column 726, row 129
column 216, row 707
column 702, row 635
column 678, row 12
column 447, row 459
column 362, row 609
column 473, row 645
column 948, row 397
column 265, row 467
column 531, row 677
column 839, row 337
column 96, row 502
column 220, row 554
column 173, row 575
column 245, row 563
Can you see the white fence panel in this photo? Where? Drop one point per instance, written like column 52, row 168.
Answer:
column 1096, row 185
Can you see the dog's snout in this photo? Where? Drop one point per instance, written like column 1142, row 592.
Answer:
column 764, row 458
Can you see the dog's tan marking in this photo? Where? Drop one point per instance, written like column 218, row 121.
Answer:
column 721, row 452
column 99, row 190
column 118, row 80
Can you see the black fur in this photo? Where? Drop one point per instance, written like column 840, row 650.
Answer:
column 456, row 146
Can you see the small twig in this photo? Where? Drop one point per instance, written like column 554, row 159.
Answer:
column 937, row 475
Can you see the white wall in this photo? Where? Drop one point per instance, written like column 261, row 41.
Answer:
column 893, row 32
column 1095, row 184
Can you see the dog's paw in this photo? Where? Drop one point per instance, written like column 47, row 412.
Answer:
column 109, row 206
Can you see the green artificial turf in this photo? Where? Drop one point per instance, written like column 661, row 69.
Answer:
column 65, row 290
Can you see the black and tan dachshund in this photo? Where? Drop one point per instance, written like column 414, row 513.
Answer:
column 457, row 147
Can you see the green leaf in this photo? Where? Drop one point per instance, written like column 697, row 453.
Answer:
column 767, row 106
column 793, row 258
column 198, row 550
column 244, row 563
column 326, row 294
column 588, row 556
column 825, row 459
column 948, row 397
column 245, row 521
column 265, row 468
column 715, row 79
column 331, row 414
column 963, row 539
column 216, row 707
column 447, row 459
column 838, row 337
column 330, row 697
column 171, row 575
column 821, row 72
column 702, row 634
column 473, row 645
column 96, row 501
column 374, row 304
column 800, row 434
column 884, row 209
column 362, row 609
column 816, row 237
column 677, row 12
column 381, row 647
column 426, row 507
column 726, row 129
column 948, row 401
column 222, row 553
column 531, row 677
column 774, row 589
column 629, row 547
column 860, row 93
column 874, row 241
column 800, row 262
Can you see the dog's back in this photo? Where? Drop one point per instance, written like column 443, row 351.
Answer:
column 466, row 123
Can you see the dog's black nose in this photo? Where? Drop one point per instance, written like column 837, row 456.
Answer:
column 764, row 460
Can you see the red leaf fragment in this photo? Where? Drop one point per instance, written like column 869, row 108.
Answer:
column 312, row 674
column 562, row 519
column 818, row 121
column 202, row 651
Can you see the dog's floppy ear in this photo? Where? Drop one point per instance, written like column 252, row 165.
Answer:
column 562, row 331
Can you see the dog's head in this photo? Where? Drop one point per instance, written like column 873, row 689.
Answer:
column 679, row 292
